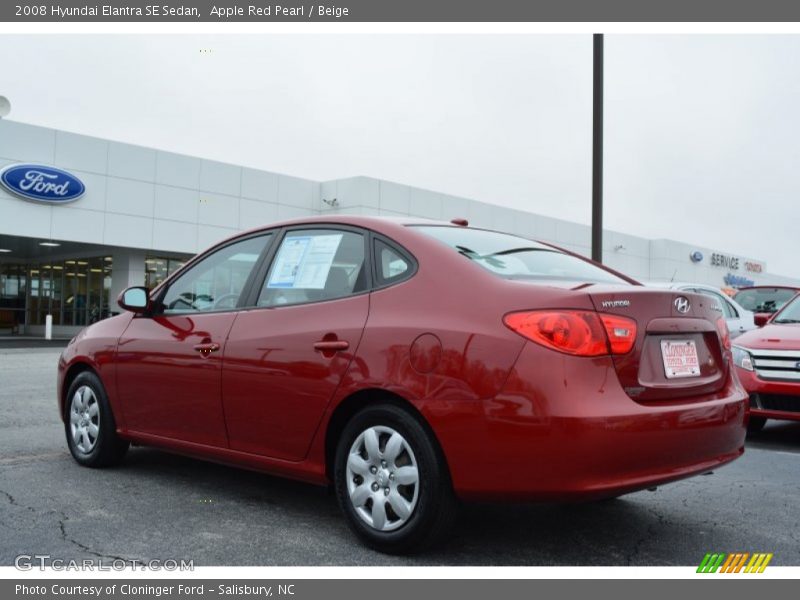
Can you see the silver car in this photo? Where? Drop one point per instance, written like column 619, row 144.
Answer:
column 739, row 319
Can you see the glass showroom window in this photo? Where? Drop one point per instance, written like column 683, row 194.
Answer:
column 74, row 291
column 13, row 285
column 158, row 268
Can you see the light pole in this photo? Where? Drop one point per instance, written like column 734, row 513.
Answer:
column 597, row 149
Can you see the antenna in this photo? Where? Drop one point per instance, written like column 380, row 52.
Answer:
column 5, row 107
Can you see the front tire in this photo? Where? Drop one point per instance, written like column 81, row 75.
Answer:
column 756, row 424
column 391, row 481
column 89, row 425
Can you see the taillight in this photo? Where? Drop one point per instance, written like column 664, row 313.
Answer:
column 621, row 333
column 724, row 333
column 580, row 333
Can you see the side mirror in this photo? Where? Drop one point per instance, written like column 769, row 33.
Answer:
column 761, row 319
column 134, row 299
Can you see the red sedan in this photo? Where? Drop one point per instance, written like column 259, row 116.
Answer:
column 768, row 364
column 411, row 364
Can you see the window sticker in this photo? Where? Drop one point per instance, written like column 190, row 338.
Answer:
column 304, row 262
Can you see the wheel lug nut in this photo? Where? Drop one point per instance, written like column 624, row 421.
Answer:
column 374, row 487
column 383, row 463
column 373, row 470
column 391, row 476
column 386, row 491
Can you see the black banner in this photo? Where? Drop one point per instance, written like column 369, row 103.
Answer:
column 400, row 11
column 385, row 589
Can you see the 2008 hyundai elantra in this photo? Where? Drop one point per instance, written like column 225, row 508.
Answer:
column 411, row 364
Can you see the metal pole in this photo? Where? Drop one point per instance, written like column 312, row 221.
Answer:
column 597, row 150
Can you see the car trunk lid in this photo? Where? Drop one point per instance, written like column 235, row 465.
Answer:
column 672, row 328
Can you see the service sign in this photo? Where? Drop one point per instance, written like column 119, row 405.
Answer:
column 42, row 184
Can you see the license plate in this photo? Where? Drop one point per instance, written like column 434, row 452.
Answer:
column 680, row 358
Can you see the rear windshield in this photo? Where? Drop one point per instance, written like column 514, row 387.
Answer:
column 764, row 300
column 514, row 257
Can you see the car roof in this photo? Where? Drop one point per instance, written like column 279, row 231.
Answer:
column 380, row 224
column 356, row 220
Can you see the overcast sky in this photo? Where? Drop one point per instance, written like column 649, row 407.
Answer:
column 702, row 132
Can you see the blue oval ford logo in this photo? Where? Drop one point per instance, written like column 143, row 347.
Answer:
column 696, row 256
column 42, row 184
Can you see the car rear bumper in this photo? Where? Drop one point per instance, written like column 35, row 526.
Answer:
column 771, row 399
column 564, row 429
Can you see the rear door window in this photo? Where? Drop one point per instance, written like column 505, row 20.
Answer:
column 313, row 265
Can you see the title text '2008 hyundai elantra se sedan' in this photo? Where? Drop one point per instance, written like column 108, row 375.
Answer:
column 411, row 364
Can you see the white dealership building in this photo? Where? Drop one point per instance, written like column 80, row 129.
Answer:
column 145, row 211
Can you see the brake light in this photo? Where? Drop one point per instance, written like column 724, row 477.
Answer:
column 724, row 333
column 580, row 333
column 621, row 333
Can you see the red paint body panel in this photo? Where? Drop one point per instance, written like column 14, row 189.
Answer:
column 96, row 348
column 276, row 386
column 563, row 428
column 164, row 385
column 754, row 385
column 771, row 337
column 513, row 419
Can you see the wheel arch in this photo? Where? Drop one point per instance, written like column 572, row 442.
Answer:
column 70, row 375
column 353, row 403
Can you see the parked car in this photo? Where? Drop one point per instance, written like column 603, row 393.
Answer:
column 410, row 364
column 739, row 319
column 768, row 364
column 764, row 300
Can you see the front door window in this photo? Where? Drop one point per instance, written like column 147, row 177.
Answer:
column 216, row 282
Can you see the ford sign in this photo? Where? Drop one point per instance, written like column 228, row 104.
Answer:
column 696, row 256
column 42, row 184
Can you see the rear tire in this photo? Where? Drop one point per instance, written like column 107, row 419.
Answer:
column 392, row 482
column 89, row 424
column 756, row 424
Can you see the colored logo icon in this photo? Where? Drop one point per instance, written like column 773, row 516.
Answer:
column 737, row 562
column 42, row 184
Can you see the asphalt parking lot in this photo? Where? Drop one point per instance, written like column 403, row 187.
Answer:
column 158, row 506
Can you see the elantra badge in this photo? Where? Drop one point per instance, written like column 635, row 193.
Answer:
column 682, row 304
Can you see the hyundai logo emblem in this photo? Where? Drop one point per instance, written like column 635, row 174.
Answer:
column 682, row 304
column 696, row 256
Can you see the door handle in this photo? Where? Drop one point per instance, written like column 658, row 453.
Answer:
column 206, row 348
column 331, row 346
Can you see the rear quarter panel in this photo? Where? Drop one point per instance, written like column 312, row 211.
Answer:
column 438, row 340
